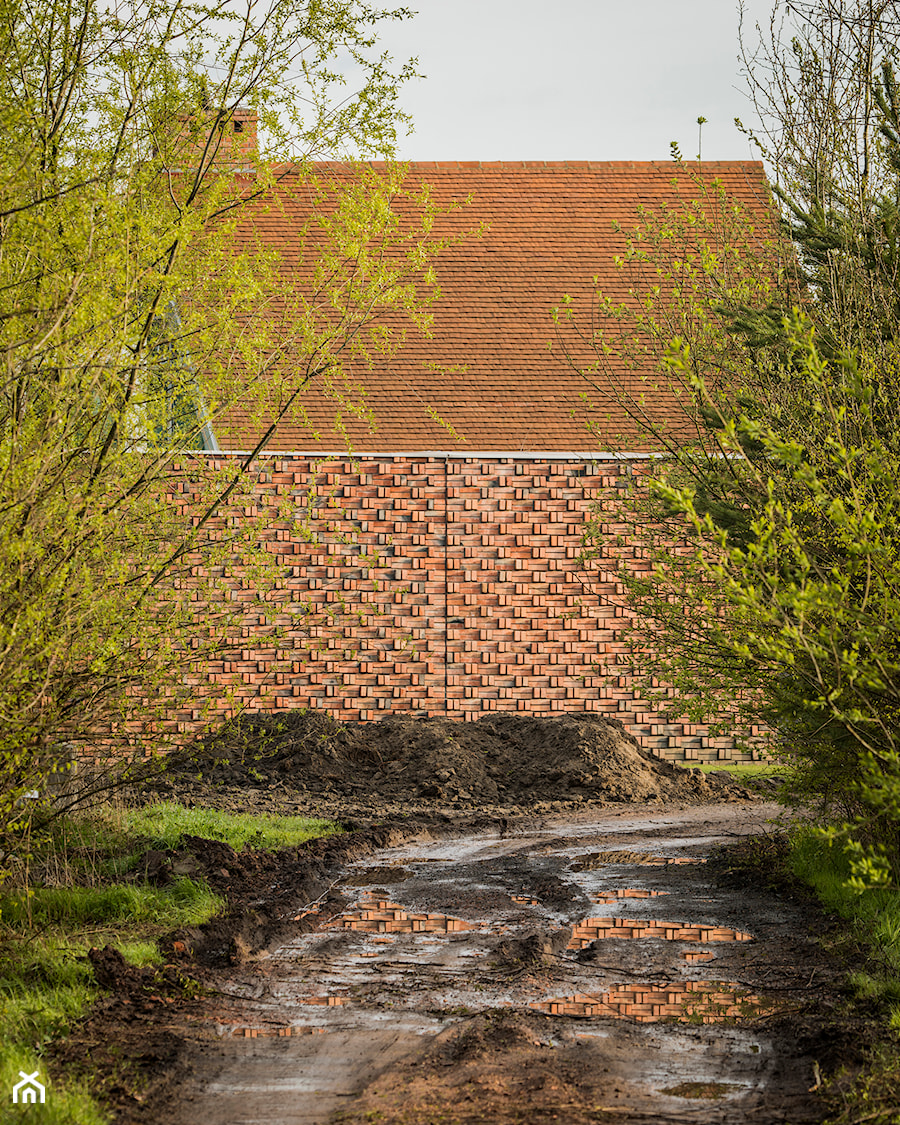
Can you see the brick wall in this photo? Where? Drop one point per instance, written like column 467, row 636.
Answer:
column 451, row 586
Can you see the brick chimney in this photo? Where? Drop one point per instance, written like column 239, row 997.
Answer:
column 240, row 132
column 235, row 144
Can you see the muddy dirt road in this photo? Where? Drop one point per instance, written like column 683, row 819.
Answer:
column 587, row 969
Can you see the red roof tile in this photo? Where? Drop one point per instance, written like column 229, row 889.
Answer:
column 487, row 370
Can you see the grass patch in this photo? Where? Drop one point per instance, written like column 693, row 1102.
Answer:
column 739, row 769
column 46, row 982
column 872, row 930
column 184, row 903
column 70, row 895
column 141, row 953
column 68, row 1105
column 164, row 825
column 872, row 917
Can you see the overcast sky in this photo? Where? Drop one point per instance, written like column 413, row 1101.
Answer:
column 581, row 80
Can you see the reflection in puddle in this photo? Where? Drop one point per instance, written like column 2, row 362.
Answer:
column 631, row 892
column 690, row 955
column 593, row 860
column 690, row 1002
column 326, row 1001
column 269, row 1032
column 390, row 918
column 524, row 900
column 595, row 929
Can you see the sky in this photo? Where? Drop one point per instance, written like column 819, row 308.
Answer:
column 581, row 80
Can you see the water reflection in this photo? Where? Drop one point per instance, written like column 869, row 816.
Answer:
column 592, row 860
column 688, row 1002
column 382, row 917
column 629, row 892
column 596, row 929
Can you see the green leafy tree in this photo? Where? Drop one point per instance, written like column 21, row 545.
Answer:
column 137, row 305
column 779, row 604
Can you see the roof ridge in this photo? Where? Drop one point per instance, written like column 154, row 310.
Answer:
column 550, row 165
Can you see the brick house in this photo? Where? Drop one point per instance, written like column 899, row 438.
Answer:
column 482, row 604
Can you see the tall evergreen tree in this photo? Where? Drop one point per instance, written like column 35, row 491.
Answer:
column 783, row 604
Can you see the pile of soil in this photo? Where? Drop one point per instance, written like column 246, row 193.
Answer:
column 498, row 760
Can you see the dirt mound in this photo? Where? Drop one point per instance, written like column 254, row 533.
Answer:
column 501, row 759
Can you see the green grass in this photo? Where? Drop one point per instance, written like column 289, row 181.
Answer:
column 872, row 917
column 68, row 1105
column 184, row 903
column 740, row 769
column 46, row 982
column 163, row 826
column 141, row 953
column 71, row 896
column 45, row 985
column 872, row 935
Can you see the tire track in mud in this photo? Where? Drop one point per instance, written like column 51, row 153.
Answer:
column 581, row 970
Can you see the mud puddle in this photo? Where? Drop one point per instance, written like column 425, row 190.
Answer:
column 486, row 986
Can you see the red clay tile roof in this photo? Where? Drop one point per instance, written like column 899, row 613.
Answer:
column 487, row 371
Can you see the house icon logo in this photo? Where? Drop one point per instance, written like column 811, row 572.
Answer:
column 28, row 1090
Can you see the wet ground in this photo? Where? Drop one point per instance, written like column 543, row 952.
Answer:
column 586, row 969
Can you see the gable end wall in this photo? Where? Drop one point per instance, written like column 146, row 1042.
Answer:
column 481, row 602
